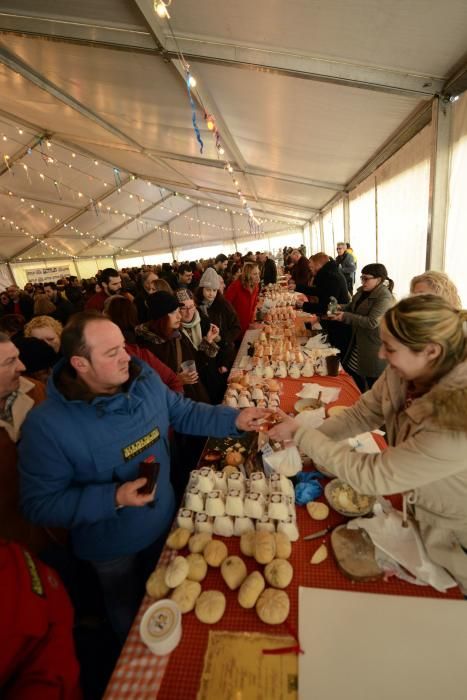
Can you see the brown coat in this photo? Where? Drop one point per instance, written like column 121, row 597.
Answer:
column 13, row 525
column 427, row 455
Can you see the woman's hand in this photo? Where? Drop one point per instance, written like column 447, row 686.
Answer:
column 188, row 377
column 285, row 430
column 339, row 316
column 212, row 333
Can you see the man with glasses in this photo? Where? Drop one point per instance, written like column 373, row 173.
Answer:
column 347, row 265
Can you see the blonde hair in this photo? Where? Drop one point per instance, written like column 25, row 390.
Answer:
column 161, row 285
column 440, row 284
column 247, row 271
column 43, row 305
column 426, row 318
column 43, row 322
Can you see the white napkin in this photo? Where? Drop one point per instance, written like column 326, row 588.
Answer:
column 311, row 419
column 317, row 341
column 405, row 545
column 311, row 391
column 287, row 462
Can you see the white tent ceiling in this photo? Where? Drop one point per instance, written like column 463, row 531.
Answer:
column 304, row 95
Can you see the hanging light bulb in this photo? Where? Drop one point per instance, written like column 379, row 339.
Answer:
column 210, row 124
column 160, row 8
column 192, row 81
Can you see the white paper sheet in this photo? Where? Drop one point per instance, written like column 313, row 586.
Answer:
column 364, row 645
column 311, row 391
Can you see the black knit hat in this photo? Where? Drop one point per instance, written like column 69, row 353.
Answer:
column 160, row 304
column 375, row 270
column 36, row 354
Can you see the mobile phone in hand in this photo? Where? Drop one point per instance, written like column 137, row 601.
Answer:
column 149, row 469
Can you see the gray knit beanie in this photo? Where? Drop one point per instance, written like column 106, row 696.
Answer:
column 210, row 279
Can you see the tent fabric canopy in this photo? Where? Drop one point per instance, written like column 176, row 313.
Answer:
column 304, row 95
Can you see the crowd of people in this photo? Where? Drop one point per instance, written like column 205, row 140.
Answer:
column 96, row 375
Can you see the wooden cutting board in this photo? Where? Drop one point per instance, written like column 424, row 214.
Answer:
column 355, row 554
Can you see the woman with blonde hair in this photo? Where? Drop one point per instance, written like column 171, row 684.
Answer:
column 434, row 282
column 43, row 306
column 421, row 398
column 45, row 328
column 243, row 294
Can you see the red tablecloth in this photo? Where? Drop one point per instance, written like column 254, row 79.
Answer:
column 141, row 675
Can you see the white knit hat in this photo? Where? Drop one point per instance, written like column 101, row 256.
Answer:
column 210, row 279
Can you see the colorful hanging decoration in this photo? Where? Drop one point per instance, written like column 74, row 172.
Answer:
column 189, row 82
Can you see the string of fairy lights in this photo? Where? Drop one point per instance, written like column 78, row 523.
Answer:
column 95, row 204
column 161, row 9
column 50, row 160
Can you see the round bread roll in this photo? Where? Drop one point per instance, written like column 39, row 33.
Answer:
column 251, row 589
column 155, row 585
column 197, row 567
column 247, row 543
column 278, row 573
column 198, row 542
column 265, row 547
column 186, row 595
column 283, row 545
column 215, row 552
column 233, row 572
column 210, row 607
column 176, row 572
column 234, row 458
column 178, row 538
column 273, row 606
column 317, row 511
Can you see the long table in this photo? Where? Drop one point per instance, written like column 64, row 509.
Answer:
column 139, row 674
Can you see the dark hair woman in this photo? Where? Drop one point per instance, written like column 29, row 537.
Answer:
column 162, row 336
column 123, row 313
column 364, row 314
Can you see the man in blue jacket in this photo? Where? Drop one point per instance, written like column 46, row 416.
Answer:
column 81, row 449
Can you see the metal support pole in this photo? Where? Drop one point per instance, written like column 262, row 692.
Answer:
column 439, row 180
column 345, row 202
column 321, row 231
column 376, row 220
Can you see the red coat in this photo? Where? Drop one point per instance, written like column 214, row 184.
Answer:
column 96, row 302
column 244, row 302
column 37, row 655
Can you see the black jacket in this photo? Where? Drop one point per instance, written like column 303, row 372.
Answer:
column 328, row 282
column 269, row 272
column 223, row 315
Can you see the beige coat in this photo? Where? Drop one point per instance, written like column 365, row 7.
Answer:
column 427, row 455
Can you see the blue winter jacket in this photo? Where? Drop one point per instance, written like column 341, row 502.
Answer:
column 74, row 453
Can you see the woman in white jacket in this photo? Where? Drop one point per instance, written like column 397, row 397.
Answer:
column 421, row 398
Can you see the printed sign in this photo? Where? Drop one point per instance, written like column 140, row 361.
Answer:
column 47, row 274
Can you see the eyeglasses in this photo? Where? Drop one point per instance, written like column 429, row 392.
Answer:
column 365, row 278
